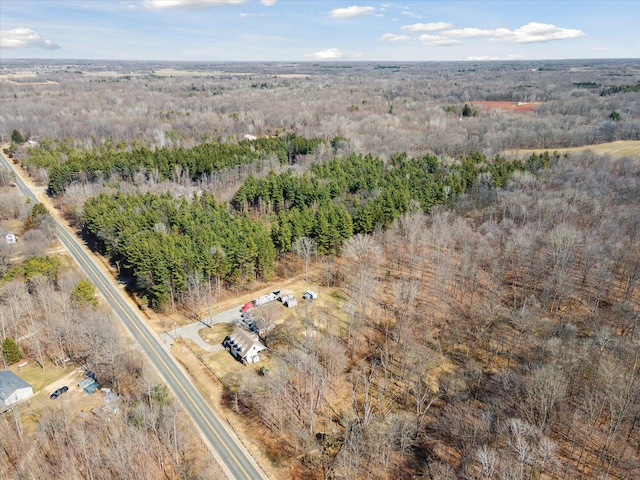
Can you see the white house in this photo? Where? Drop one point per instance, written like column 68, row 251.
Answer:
column 13, row 389
column 244, row 345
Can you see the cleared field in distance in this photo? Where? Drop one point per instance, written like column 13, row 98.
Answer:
column 621, row 148
column 521, row 107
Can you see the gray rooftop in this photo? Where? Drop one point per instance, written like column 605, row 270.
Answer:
column 245, row 340
column 9, row 383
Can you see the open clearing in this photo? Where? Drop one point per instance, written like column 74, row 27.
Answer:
column 520, row 107
column 621, row 148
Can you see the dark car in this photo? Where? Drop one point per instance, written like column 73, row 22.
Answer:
column 58, row 392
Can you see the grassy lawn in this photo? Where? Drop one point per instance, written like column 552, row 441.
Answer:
column 39, row 377
column 216, row 333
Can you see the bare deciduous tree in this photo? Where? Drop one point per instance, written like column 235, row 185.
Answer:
column 305, row 248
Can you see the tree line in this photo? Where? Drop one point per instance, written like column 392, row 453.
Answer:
column 67, row 164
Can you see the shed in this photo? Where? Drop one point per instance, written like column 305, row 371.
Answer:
column 89, row 385
column 10, row 238
column 243, row 345
column 13, row 389
column 286, row 297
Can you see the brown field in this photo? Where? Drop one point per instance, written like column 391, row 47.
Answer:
column 520, row 107
column 621, row 148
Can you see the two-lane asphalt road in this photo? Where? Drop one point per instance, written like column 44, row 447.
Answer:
column 234, row 459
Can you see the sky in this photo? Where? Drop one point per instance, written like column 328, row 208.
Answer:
column 319, row 30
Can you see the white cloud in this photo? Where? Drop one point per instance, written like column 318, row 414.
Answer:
column 469, row 33
column 537, row 32
column 23, row 37
column 268, row 3
column 437, row 40
column 426, row 27
column 327, row 54
column 483, row 58
column 160, row 4
column 392, row 37
column 410, row 14
column 244, row 14
column 530, row 33
column 352, row 11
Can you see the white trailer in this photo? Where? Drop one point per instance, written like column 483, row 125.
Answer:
column 264, row 299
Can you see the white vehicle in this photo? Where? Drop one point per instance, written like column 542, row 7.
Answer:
column 310, row 295
column 263, row 300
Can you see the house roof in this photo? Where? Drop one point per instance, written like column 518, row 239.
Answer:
column 245, row 340
column 9, row 383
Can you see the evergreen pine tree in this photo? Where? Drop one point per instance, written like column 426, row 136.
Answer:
column 84, row 292
column 11, row 351
column 16, row 137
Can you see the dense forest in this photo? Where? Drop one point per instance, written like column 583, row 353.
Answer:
column 162, row 240
column 482, row 318
column 195, row 163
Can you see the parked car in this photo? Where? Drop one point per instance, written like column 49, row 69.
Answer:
column 56, row 393
column 247, row 306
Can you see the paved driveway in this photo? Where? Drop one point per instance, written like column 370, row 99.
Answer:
column 191, row 331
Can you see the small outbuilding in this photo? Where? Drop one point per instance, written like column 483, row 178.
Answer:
column 288, row 299
column 89, row 385
column 13, row 389
column 243, row 345
column 10, row 238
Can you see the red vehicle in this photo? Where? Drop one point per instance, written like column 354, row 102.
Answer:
column 247, row 306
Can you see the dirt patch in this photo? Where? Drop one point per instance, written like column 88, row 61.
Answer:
column 520, row 107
